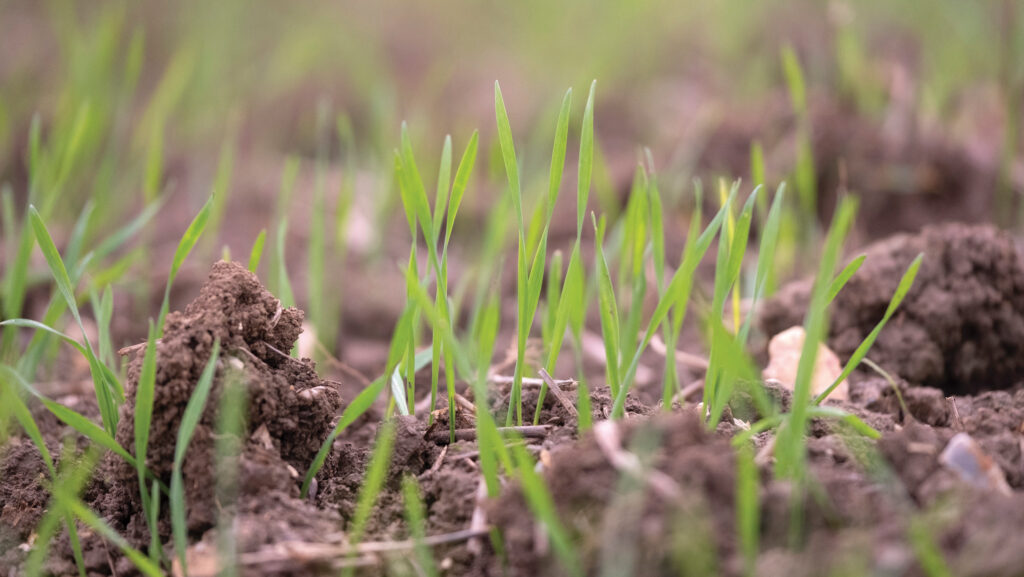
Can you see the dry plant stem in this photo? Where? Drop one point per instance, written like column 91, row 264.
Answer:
column 465, row 403
column 507, row 380
column 559, row 394
column 606, row 433
column 478, row 522
column 440, row 460
column 689, row 390
column 682, row 357
column 290, row 552
column 336, row 363
column 132, row 348
column 534, row 431
column 533, row 449
column 958, row 425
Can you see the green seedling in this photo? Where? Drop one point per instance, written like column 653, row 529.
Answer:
column 23, row 416
column 906, row 282
column 70, row 480
column 108, row 389
column 376, row 474
column 415, row 516
column 256, row 254
column 542, row 505
column 362, row 403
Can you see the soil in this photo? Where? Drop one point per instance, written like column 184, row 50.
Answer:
column 953, row 352
column 906, row 175
column 959, row 329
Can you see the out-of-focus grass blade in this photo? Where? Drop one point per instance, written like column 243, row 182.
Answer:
column 508, row 152
column 284, row 285
column 586, row 162
column 657, row 226
column 927, row 551
column 765, row 256
column 144, row 394
column 542, row 504
column 676, row 295
column 415, row 516
column 91, row 519
column 105, row 390
column 558, row 153
column 185, row 245
column 609, row 311
column 855, row 422
column 104, row 312
column 790, row 444
column 189, row 420
column 414, row 194
column 256, row 254
column 748, row 512
column 77, row 238
column 862, row 350
column 111, row 243
column 444, row 186
column 462, row 175
column 844, row 276
column 376, row 473
column 74, row 474
column 359, row 405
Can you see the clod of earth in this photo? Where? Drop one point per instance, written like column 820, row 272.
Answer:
column 289, row 407
column 959, row 329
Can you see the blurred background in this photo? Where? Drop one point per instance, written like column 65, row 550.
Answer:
column 290, row 111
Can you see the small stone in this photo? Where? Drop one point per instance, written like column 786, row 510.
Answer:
column 784, row 360
column 964, row 457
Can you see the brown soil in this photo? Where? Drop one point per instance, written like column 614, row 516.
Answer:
column 959, row 332
column 907, row 176
column 961, row 327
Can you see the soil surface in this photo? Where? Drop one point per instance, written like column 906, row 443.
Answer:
column 652, row 494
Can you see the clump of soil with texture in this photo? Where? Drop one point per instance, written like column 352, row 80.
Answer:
column 959, row 329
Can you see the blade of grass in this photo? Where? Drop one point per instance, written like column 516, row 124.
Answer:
column 844, row 276
column 790, row 444
column 28, row 424
column 542, row 505
column 462, row 175
column 609, row 310
column 906, row 282
column 373, row 482
column 256, row 254
column 363, row 401
column 144, row 393
column 415, row 516
column 185, row 245
column 72, row 478
column 748, row 513
column 765, row 256
column 105, row 390
column 676, row 296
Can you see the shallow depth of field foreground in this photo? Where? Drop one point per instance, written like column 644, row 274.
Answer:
column 556, row 289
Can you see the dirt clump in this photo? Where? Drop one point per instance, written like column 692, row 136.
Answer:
column 23, row 497
column 959, row 329
column 289, row 408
